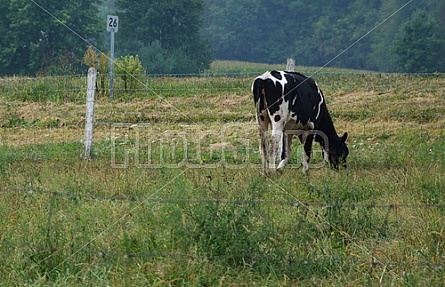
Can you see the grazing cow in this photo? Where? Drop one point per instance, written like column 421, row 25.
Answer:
column 292, row 103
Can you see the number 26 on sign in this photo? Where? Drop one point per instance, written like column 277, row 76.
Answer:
column 112, row 23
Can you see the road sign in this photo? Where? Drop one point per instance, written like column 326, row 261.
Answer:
column 112, row 27
column 112, row 23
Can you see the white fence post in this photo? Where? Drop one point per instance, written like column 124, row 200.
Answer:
column 89, row 115
column 290, row 65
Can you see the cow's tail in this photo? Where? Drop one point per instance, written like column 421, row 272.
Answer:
column 258, row 95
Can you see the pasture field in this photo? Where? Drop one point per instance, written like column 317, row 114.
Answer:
column 174, row 194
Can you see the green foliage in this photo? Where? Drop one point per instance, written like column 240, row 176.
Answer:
column 177, row 37
column 224, row 232
column 160, row 61
column 35, row 42
column 420, row 43
column 46, row 89
column 130, row 70
column 241, row 30
column 164, row 31
column 319, row 32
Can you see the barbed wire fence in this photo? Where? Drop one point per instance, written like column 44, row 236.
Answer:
column 53, row 196
column 72, row 89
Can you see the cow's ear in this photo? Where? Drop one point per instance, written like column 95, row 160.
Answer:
column 344, row 137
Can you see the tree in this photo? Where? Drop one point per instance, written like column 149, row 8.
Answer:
column 314, row 32
column 420, row 44
column 251, row 30
column 33, row 41
column 170, row 26
column 234, row 30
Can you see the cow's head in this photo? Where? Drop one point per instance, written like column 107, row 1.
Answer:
column 338, row 152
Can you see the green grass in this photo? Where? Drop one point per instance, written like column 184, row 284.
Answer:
column 175, row 195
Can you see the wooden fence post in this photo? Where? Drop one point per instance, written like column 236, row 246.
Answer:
column 89, row 115
column 290, row 65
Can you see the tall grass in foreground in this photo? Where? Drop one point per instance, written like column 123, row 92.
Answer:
column 70, row 222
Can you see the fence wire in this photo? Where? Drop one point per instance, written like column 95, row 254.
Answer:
column 289, row 203
column 177, row 256
column 433, row 265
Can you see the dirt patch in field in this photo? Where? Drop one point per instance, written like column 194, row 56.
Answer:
column 353, row 97
column 219, row 146
column 33, row 135
column 358, row 113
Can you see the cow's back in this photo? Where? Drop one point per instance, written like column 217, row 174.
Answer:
column 309, row 99
column 299, row 93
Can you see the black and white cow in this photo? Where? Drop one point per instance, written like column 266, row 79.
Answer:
column 293, row 104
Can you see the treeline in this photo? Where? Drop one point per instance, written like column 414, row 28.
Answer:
column 177, row 36
column 382, row 35
column 36, row 37
column 50, row 37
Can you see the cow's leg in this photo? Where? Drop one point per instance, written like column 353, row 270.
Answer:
column 325, row 155
column 324, row 146
column 276, row 146
column 307, row 152
column 263, row 147
column 263, row 124
column 285, row 155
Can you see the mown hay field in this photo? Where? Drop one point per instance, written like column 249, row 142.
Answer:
column 174, row 194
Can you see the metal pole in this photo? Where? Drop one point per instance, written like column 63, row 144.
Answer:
column 111, row 63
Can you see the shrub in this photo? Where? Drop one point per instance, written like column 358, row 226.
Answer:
column 130, row 70
column 103, row 69
column 90, row 57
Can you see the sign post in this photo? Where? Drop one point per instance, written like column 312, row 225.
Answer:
column 112, row 27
